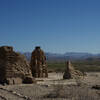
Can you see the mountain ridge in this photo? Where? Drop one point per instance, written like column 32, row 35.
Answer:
column 66, row 56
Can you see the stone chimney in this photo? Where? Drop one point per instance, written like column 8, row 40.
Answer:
column 38, row 63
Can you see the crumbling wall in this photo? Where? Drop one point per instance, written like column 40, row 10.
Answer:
column 38, row 63
column 13, row 66
column 70, row 72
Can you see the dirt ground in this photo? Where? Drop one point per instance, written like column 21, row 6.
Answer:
column 91, row 78
column 54, row 88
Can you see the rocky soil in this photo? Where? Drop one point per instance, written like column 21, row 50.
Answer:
column 54, row 88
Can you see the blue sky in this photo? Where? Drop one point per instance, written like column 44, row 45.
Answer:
column 57, row 26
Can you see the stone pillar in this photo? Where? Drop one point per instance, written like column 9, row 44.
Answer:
column 38, row 63
column 70, row 72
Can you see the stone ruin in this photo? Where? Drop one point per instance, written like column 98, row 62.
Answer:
column 70, row 72
column 38, row 63
column 14, row 69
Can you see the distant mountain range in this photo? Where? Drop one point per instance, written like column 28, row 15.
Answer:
column 66, row 56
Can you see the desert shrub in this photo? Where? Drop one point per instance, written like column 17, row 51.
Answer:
column 83, row 66
column 72, row 93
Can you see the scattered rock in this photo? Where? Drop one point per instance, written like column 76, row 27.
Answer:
column 3, row 97
column 51, row 95
column 38, row 63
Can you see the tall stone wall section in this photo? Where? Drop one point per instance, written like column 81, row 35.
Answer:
column 13, row 66
column 38, row 63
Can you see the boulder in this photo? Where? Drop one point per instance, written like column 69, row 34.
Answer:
column 13, row 66
column 38, row 63
column 97, row 87
column 29, row 80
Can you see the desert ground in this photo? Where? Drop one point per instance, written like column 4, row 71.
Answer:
column 54, row 88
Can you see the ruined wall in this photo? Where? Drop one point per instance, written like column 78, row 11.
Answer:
column 38, row 63
column 70, row 72
column 13, row 66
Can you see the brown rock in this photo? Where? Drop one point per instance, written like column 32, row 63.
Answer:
column 38, row 63
column 96, row 87
column 13, row 66
column 29, row 80
column 70, row 72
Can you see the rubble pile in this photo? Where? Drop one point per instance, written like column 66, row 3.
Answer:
column 70, row 72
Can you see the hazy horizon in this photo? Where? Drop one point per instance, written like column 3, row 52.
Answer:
column 60, row 52
column 57, row 26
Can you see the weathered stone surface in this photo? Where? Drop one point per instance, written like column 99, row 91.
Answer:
column 38, row 63
column 12, row 81
column 29, row 80
column 13, row 66
column 96, row 87
column 70, row 72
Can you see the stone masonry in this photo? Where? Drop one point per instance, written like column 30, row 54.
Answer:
column 70, row 72
column 38, row 63
column 13, row 66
